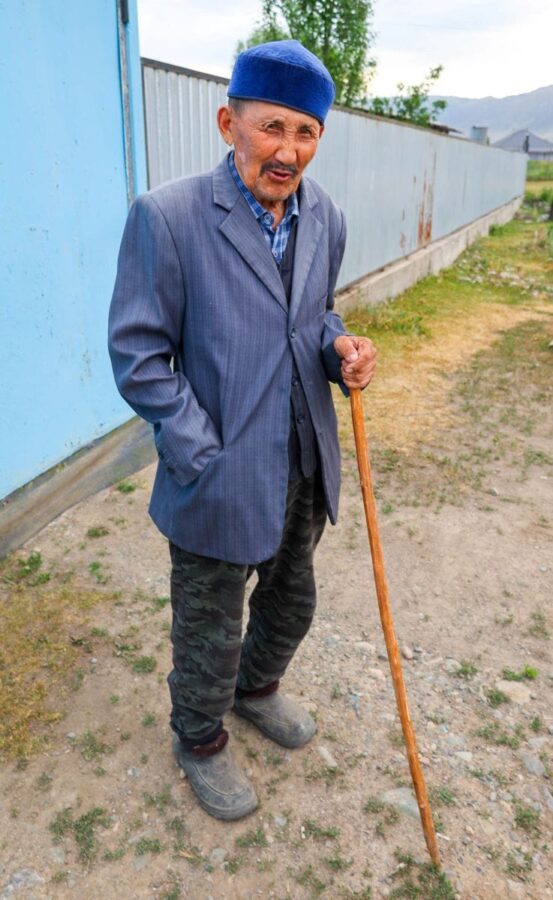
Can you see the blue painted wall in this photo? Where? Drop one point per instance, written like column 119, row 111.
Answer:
column 63, row 204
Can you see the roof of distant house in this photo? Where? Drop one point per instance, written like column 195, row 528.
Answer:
column 515, row 141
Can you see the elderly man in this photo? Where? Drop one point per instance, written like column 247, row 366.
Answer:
column 223, row 336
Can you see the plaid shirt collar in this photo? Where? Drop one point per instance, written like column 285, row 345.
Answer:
column 277, row 239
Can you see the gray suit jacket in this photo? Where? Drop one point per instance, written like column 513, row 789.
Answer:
column 201, row 340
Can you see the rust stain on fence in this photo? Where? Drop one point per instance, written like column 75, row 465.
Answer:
column 424, row 223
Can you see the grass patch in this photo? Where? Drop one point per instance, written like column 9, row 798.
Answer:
column 528, row 819
column 538, row 627
column 158, row 603
column 92, row 747
column 144, row 664
column 320, row 832
column 420, row 880
column 441, row 796
column 83, row 830
column 466, row 669
column 161, row 800
column 25, row 569
column 252, row 838
column 147, row 845
column 97, row 531
column 337, row 862
column 496, row 697
column 475, row 406
column 96, row 569
column 539, row 170
column 308, row 878
column 528, row 673
column 126, row 487
column 38, row 657
column 44, row 781
column 387, row 814
column 495, row 734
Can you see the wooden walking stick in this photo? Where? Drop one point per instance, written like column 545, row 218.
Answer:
column 386, row 619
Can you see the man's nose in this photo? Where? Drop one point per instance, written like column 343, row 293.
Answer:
column 286, row 153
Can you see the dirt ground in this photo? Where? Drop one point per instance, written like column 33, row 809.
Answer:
column 464, row 485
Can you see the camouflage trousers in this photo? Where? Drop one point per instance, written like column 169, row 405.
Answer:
column 211, row 659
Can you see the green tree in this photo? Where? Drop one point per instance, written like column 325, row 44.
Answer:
column 412, row 103
column 337, row 31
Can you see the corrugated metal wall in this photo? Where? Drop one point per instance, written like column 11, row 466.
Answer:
column 401, row 187
column 63, row 199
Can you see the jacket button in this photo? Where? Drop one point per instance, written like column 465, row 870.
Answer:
column 170, row 469
column 294, row 382
column 301, row 419
column 293, row 333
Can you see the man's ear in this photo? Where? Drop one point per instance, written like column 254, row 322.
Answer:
column 321, row 132
column 224, row 119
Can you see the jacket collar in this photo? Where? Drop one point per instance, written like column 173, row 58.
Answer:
column 241, row 228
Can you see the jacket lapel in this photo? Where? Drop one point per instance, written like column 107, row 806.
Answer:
column 242, row 230
column 307, row 241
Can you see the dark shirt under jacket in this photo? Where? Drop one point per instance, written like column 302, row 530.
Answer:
column 302, row 444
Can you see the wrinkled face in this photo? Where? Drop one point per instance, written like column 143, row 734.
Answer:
column 272, row 146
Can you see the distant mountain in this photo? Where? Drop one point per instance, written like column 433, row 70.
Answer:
column 533, row 111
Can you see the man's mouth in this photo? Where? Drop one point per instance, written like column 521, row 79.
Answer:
column 280, row 174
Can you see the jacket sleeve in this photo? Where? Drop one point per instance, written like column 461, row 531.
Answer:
column 145, row 324
column 334, row 326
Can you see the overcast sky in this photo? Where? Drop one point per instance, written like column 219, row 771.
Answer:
column 496, row 48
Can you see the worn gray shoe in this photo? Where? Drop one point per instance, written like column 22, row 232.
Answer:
column 279, row 717
column 220, row 786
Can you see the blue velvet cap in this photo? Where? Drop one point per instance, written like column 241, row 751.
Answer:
column 283, row 72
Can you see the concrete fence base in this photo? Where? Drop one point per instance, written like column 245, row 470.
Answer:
column 131, row 447
column 98, row 465
column 391, row 280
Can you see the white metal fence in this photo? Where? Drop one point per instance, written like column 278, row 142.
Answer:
column 400, row 186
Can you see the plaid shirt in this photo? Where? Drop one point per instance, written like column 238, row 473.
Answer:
column 277, row 238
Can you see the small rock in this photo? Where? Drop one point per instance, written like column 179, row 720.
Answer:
column 378, row 674
column 514, row 690
column 515, row 888
column 532, row 764
column 281, row 821
column 22, row 879
column 407, row 652
column 548, row 799
column 464, row 755
column 217, row 857
column 364, row 646
column 327, row 757
column 403, row 800
column 71, row 736
column 455, row 740
column 57, row 855
column 538, row 743
column 451, row 665
column 133, row 772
